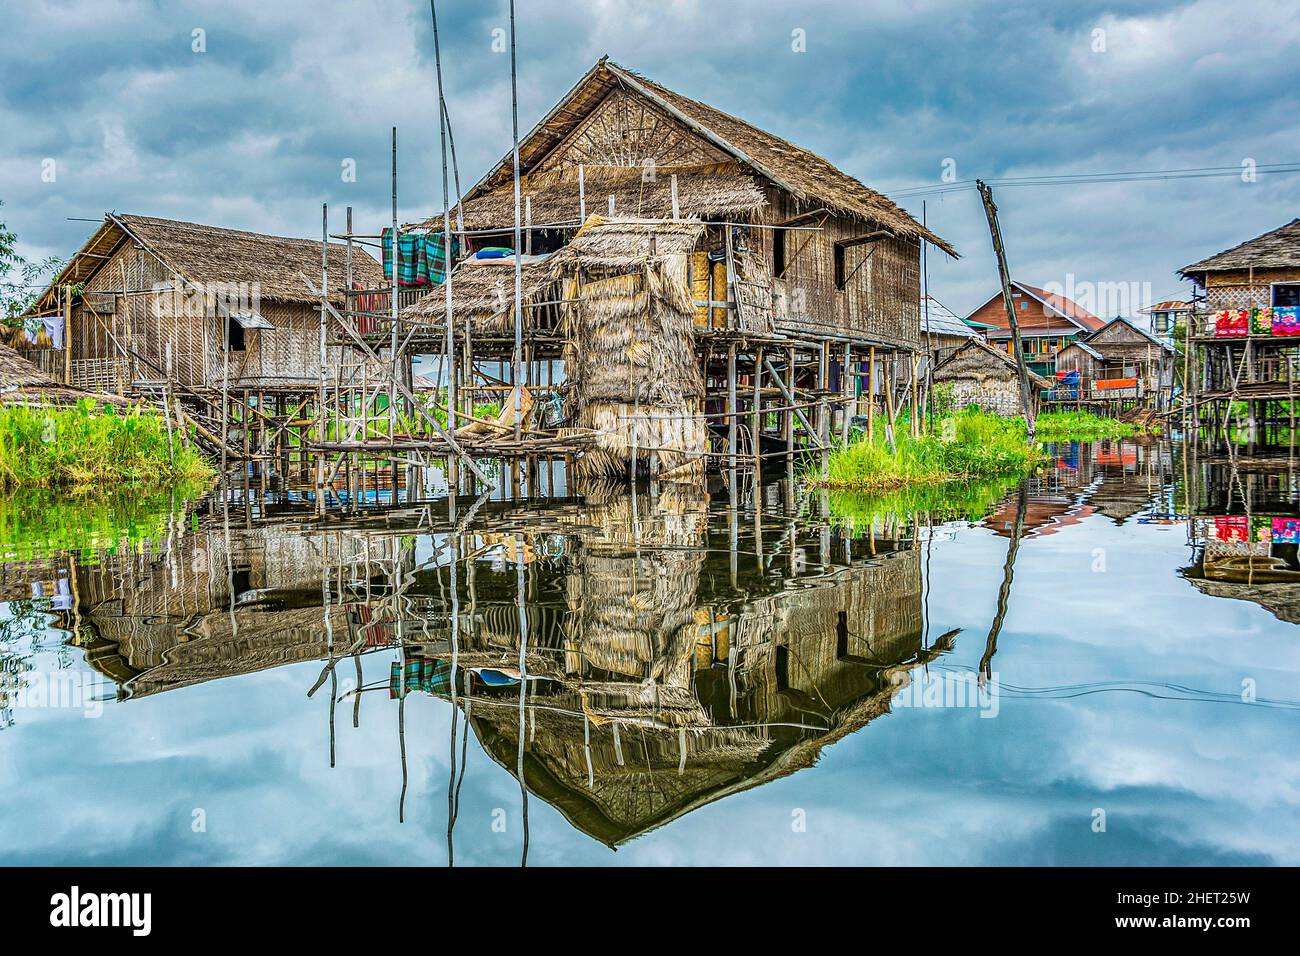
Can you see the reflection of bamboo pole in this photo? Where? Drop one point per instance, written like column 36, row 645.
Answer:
column 1004, row 591
column 523, row 663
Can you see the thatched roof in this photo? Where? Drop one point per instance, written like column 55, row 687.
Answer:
column 483, row 292
column 720, row 189
column 1278, row 249
column 979, row 354
column 23, row 381
column 211, row 255
column 805, row 175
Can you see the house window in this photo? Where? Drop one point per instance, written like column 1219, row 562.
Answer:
column 1286, row 293
column 840, row 277
column 234, row 335
column 778, row 252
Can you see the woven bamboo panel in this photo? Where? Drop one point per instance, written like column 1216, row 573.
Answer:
column 99, row 375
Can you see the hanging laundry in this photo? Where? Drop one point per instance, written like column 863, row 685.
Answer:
column 435, row 257
column 1286, row 530
column 54, row 329
column 1286, row 320
column 1261, row 321
column 423, row 258
column 1233, row 528
column 369, row 307
column 1231, row 324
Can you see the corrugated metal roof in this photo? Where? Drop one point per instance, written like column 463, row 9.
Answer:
column 938, row 319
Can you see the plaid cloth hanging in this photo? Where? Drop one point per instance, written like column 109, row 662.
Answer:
column 423, row 257
column 435, row 256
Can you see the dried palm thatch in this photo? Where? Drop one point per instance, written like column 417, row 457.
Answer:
column 210, row 255
column 980, row 362
column 23, row 382
column 483, row 293
column 619, row 243
column 632, row 354
column 718, row 189
column 806, row 176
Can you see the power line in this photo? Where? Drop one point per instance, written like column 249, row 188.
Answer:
column 1070, row 179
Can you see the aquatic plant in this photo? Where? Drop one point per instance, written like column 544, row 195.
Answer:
column 88, row 445
column 1080, row 426
column 964, row 445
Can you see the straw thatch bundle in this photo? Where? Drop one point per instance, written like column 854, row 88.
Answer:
column 622, row 243
column 719, row 189
column 632, row 351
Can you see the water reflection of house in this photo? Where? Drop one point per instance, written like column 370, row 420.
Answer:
column 1246, row 533
column 1249, row 558
column 156, row 621
column 669, row 696
column 1134, row 475
column 663, row 672
column 1045, row 514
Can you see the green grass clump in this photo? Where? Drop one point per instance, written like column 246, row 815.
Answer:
column 1080, row 426
column 88, row 445
column 964, row 446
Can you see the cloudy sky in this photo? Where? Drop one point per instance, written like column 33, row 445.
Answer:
column 253, row 131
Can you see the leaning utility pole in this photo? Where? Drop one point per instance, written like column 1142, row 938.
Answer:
column 991, row 210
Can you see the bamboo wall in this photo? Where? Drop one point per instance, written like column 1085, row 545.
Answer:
column 119, row 340
column 881, row 298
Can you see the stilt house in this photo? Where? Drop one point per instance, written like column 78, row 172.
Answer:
column 220, row 302
column 690, row 270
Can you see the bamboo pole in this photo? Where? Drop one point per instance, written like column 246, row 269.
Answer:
column 991, row 212
column 871, row 394
column 731, row 396
column 757, row 421
column 420, row 410
column 67, row 336
column 320, row 395
column 519, row 295
column 847, row 386
column 167, row 415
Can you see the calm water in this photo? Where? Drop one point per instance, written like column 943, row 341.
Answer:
column 1097, row 666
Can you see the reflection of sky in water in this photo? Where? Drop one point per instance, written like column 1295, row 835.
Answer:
column 1181, row 781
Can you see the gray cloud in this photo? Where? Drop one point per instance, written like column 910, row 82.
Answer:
column 252, row 132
